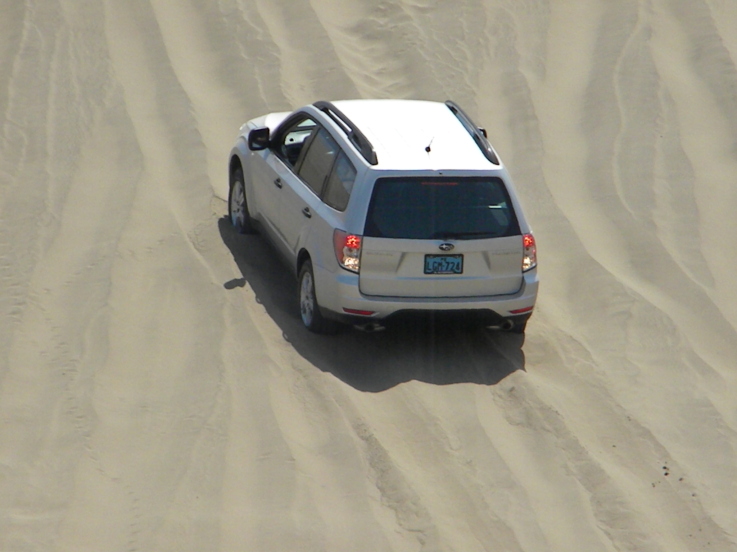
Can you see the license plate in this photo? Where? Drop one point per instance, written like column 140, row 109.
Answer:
column 443, row 264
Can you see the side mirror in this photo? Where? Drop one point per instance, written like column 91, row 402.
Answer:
column 259, row 139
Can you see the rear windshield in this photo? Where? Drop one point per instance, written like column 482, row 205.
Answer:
column 440, row 208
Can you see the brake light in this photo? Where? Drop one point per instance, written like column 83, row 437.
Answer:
column 529, row 252
column 347, row 250
column 358, row 312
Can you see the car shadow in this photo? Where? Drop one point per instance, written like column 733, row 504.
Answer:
column 435, row 352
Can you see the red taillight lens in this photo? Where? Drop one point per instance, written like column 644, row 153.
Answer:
column 353, row 242
column 358, row 312
column 529, row 252
column 347, row 250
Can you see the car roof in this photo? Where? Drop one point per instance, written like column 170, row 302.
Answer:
column 415, row 135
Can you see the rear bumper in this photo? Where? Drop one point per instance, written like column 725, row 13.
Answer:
column 408, row 317
column 340, row 298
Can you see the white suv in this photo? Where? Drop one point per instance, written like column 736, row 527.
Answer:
column 385, row 207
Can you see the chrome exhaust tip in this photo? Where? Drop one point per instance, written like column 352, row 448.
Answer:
column 506, row 325
column 370, row 327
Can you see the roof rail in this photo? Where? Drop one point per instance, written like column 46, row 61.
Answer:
column 357, row 138
column 478, row 135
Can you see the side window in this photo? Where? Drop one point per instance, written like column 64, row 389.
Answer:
column 318, row 160
column 340, row 183
column 294, row 139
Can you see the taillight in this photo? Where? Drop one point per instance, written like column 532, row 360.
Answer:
column 347, row 250
column 529, row 252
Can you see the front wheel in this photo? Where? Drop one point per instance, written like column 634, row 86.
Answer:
column 237, row 204
column 309, row 309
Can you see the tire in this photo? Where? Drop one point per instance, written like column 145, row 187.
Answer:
column 309, row 308
column 237, row 204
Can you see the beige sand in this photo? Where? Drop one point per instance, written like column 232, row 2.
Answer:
column 157, row 391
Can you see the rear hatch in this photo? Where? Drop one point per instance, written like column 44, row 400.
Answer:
column 441, row 237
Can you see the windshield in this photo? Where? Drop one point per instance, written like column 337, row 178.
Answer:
column 440, row 208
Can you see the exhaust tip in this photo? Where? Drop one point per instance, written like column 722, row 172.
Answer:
column 370, row 327
column 506, row 325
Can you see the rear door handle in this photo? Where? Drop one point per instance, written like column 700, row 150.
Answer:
column 306, row 212
column 278, row 183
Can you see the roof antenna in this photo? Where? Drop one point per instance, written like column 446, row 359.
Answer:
column 428, row 149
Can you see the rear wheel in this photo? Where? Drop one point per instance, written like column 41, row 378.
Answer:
column 237, row 204
column 308, row 307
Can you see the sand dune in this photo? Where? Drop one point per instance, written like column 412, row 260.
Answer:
column 157, row 390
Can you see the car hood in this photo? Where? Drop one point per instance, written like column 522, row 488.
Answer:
column 272, row 120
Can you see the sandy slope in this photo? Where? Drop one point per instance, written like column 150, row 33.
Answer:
column 156, row 389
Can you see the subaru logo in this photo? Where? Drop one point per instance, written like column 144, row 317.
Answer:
column 446, row 246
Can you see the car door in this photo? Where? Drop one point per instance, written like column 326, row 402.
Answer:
column 301, row 202
column 331, row 215
column 286, row 154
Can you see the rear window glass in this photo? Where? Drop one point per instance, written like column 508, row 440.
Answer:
column 440, row 208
